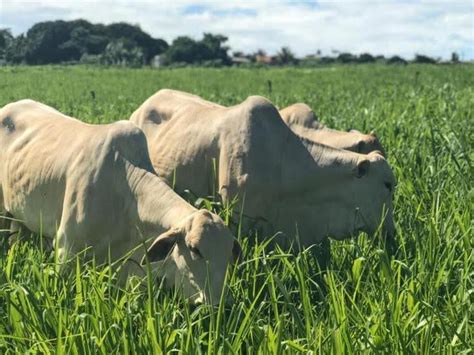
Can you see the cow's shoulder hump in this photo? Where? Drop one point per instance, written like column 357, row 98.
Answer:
column 259, row 108
column 125, row 138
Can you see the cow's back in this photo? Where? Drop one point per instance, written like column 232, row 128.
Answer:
column 163, row 106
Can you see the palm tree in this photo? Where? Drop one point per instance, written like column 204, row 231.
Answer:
column 285, row 56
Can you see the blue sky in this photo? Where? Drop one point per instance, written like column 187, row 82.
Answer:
column 387, row 27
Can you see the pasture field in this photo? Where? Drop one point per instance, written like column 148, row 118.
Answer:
column 419, row 301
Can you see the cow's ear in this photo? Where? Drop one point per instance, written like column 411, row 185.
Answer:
column 362, row 168
column 162, row 246
column 236, row 250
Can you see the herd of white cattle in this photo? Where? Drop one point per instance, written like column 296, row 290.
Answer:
column 107, row 188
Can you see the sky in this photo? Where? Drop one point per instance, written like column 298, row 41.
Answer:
column 388, row 27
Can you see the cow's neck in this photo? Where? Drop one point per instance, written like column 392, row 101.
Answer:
column 307, row 163
column 315, row 135
column 158, row 207
column 325, row 156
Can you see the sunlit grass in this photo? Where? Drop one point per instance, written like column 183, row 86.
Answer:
column 419, row 301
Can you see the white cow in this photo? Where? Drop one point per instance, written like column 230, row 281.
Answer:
column 302, row 120
column 292, row 183
column 94, row 186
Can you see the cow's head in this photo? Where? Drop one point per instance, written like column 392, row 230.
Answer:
column 195, row 256
column 352, row 193
column 362, row 198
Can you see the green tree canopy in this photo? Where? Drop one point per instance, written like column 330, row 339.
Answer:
column 187, row 50
column 61, row 41
column 421, row 58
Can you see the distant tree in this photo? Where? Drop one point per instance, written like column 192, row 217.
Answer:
column 183, row 49
column 123, row 52
column 327, row 60
column 84, row 41
column 215, row 48
column 346, row 58
column 89, row 37
column 379, row 58
column 44, row 43
column 454, row 57
column 424, row 59
column 15, row 53
column 77, row 43
column 125, row 30
column 6, row 38
column 96, row 43
column 396, row 60
column 210, row 50
column 149, row 45
column 366, row 58
column 285, row 56
column 60, row 41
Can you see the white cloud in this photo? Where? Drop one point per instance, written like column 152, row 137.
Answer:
column 387, row 27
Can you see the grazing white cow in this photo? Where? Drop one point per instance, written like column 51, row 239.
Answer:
column 94, row 186
column 292, row 183
column 302, row 120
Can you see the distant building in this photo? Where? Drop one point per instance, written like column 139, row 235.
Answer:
column 240, row 60
column 264, row 59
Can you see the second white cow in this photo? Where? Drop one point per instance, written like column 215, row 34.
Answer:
column 299, row 187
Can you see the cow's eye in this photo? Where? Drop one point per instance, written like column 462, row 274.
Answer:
column 389, row 186
column 195, row 251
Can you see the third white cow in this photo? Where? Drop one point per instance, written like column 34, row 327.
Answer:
column 302, row 120
column 297, row 186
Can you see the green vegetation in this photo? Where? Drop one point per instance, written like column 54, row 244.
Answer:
column 417, row 302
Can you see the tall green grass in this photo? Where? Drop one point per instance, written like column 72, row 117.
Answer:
column 417, row 302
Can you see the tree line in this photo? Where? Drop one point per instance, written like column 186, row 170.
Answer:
column 80, row 41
